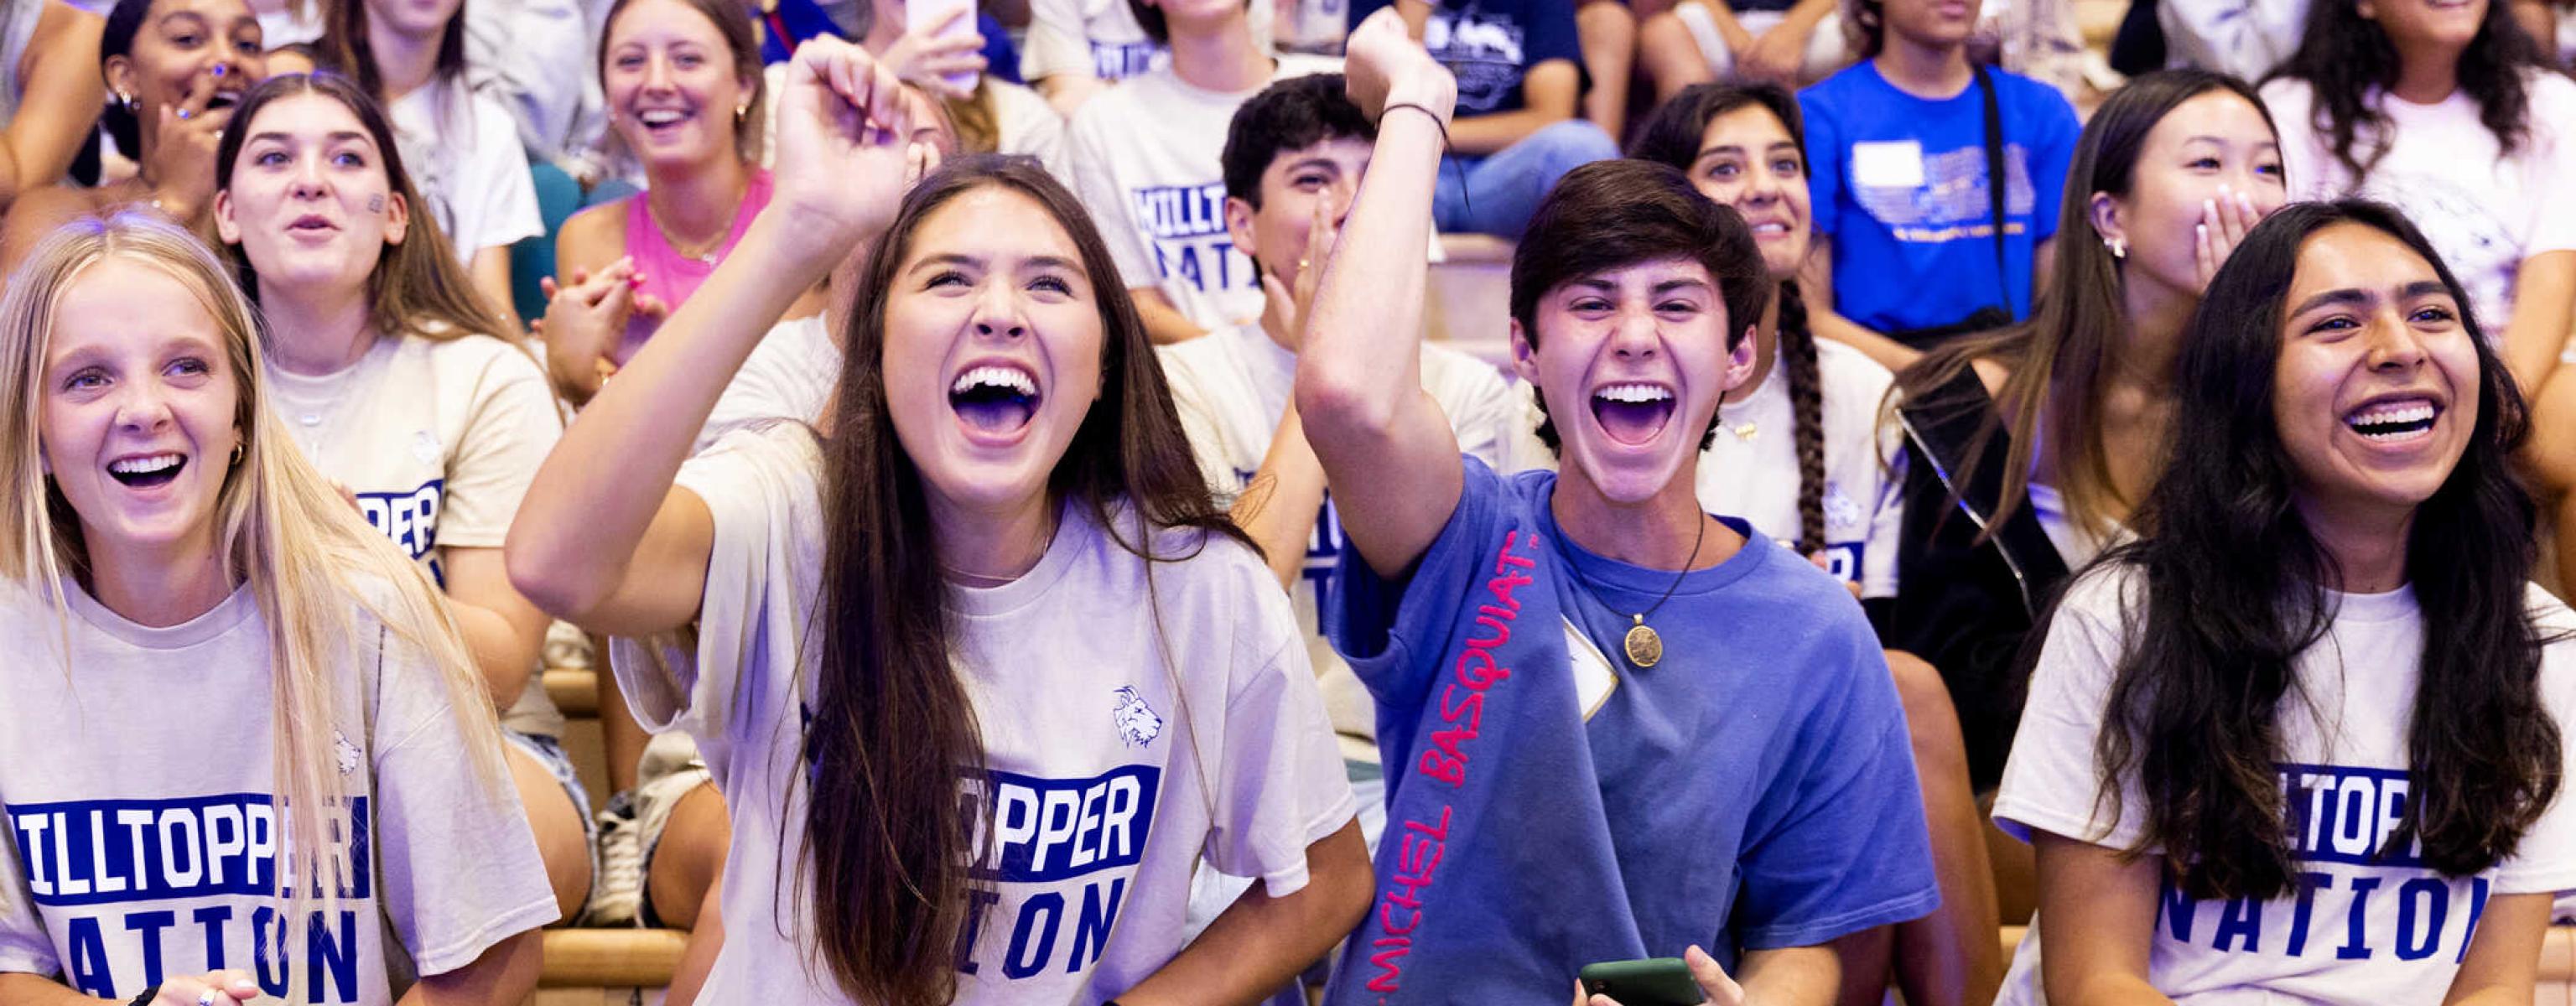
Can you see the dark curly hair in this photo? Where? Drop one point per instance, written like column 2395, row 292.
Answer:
column 2236, row 588
column 2344, row 57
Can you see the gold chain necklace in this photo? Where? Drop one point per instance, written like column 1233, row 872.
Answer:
column 1645, row 647
column 713, row 246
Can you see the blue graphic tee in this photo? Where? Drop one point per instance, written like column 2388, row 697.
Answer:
column 1550, row 805
column 1899, row 186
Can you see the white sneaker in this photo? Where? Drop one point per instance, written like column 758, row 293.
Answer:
column 617, row 899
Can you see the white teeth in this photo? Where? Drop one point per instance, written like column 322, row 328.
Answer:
column 1632, row 393
column 144, row 466
column 1010, row 378
column 2413, row 411
column 660, row 116
column 1771, row 228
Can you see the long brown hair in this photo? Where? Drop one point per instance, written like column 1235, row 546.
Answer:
column 886, row 837
column 2059, row 359
column 345, row 46
column 417, row 287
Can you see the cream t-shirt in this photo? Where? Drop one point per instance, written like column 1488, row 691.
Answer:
column 438, row 439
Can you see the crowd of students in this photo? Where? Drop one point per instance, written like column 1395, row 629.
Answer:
column 1030, row 552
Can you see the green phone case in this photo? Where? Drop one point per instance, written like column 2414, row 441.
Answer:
column 1654, row 981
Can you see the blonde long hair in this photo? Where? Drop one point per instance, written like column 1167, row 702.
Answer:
column 312, row 564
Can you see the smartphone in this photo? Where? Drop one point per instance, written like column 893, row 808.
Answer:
column 923, row 16
column 1654, row 981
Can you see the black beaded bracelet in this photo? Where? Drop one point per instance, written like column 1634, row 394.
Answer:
column 146, row 998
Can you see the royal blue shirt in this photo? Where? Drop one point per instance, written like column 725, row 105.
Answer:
column 1898, row 183
column 1490, row 45
column 1550, row 806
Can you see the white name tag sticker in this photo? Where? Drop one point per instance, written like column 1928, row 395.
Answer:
column 1593, row 678
column 1893, row 164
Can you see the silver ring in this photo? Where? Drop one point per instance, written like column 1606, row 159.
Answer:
column 206, row 998
column 184, row 114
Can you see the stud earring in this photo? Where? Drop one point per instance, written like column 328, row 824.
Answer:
column 2119, row 248
column 125, row 100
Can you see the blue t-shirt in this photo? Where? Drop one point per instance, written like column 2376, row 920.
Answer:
column 1489, row 45
column 1549, row 807
column 1899, row 185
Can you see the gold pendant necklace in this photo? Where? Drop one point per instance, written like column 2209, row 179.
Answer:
column 1744, row 432
column 1645, row 648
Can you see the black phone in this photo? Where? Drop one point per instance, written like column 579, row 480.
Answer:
column 1653, row 981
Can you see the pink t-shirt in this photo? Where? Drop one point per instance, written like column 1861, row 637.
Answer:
column 672, row 276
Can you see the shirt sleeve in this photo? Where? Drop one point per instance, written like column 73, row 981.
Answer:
column 24, row 946
column 499, row 181
column 455, row 854
column 760, row 490
column 1837, row 843
column 782, row 380
column 2050, row 783
column 1391, row 631
column 1096, row 184
column 2545, row 862
column 1198, row 422
column 1056, row 43
column 1551, row 35
column 1281, row 786
column 2550, row 168
column 1886, row 517
column 512, row 427
column 1482, row 411
column 1824, row 159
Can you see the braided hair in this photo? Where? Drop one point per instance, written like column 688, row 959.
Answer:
column 1795, row 353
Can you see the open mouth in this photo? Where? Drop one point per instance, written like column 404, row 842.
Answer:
column 660, row 121
column 995, row 399
column 148, row 471
column 2394, row 421
column 1632, row 414
column 311, row 223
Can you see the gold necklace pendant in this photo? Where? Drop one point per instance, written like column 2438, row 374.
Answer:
column 1744, row 433
column 1645, row 648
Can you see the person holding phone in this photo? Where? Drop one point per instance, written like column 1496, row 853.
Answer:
column 1584, row 682
column 2305, row 739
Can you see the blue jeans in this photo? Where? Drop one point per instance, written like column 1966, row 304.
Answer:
column 1495, row 194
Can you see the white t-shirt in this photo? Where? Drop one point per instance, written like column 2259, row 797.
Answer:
column 1111, row 772
column 2483, row 211
column 136, row 785
column 1027, row 125
column 1147, row 164
column 2382, row 932
column 790, row 375
column 1100, row 38
column 2245, row 38
column 1754, row 475
column 462, row 148
column 438, row 440
column 1231, row 388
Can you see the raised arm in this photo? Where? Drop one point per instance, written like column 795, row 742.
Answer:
column 1388, row 454
column 58, row 81
column 628, row 554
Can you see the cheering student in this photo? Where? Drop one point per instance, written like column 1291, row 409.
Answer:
column 219, row 667
column 1800, row 455
column 2304, row 739
column 174, row 70
column 1591, row 695
column 398, row 389
column 992, row 583
column 2027, row 449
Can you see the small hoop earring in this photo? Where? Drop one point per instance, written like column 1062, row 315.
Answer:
column 237, row 455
